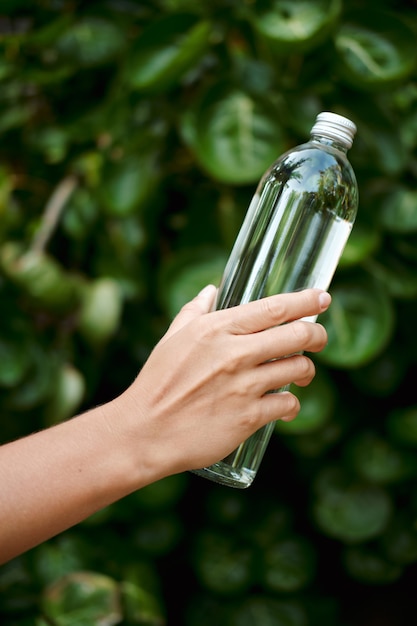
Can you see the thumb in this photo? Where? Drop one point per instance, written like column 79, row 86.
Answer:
column 201, row 304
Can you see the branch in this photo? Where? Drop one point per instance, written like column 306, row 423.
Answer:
column 53, row 211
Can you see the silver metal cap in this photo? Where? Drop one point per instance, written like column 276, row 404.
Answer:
column 335, row 127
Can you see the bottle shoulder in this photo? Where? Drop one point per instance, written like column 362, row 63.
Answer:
column 320, row 175
column 317, row 155
column 309, row 164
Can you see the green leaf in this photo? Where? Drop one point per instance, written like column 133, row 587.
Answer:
column 60, row 557
column 362, row 243
column 81, row 214
column 186, row 274
column 402, row 426
column 82, row 599
column 41, row 277
column 15, row 361
column 16, row 587
column 206, row 609
column 47, row 34
column 378, row 461
column 128, row 184
column 52, row 142
column 267, row 522
column 406, row 247
column 258, row 609
column 67, row 395
column 166, row 50
column 39, row 381
column 100, row 311
column 375, row 50
column 141, row 606
column 18, row 115
column 359, row 323
column 223, row 565
column 369, row 567
column 158, row 533
column 288, row 565
column 143, row 573
column 227, row 507
column 311, row 445
column 317, row 404
column 383, row 375
column 162, row 494
column 378, row 147
column 399, row 542
column 399, row 211
column 398, row 276
column 289, row 26
column 235, row 136
column 350, row 511
column 91, row 41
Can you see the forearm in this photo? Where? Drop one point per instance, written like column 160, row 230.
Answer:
column 53, row 479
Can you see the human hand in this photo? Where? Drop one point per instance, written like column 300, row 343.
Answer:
column 204, row 387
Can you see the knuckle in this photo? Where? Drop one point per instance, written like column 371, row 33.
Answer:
column 273, row 310
column 231, row 359
column 203, row 328
column 198, row 334
column 230, row 365
column 251, row 420
column 305, row 366
column 248, row 385
column 302, row 332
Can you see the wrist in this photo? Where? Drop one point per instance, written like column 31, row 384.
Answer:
column 135, row 434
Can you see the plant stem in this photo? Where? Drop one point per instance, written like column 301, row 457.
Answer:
column 53, row 211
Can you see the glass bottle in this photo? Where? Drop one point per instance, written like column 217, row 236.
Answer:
column 292, row 237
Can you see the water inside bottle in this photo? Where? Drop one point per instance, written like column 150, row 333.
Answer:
column 300, row 249
column 292, row 237
column 297, row 248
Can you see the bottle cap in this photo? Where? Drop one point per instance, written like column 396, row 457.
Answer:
column 336, row 127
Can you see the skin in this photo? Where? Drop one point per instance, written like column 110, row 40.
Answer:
column 170, row 419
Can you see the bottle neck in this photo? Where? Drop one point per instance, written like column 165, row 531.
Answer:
column 327, row 141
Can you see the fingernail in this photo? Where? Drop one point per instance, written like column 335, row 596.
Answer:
column 324, row 300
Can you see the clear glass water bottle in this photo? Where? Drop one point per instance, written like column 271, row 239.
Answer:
column 292, row 238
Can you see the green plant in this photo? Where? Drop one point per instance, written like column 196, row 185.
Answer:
column 132, row 135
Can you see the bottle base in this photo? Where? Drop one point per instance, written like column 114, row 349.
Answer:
column 224, row 474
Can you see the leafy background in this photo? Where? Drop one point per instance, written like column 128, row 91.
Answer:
column 132, row 136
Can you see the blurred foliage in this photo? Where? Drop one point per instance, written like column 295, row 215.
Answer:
column 132, row 136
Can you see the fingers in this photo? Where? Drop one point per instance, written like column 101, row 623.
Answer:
column 298, row 369
column 254, row 316
column 275, row 375
column 280, row 341
column 200, row 305
column 275, row 310
column 283, row 406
